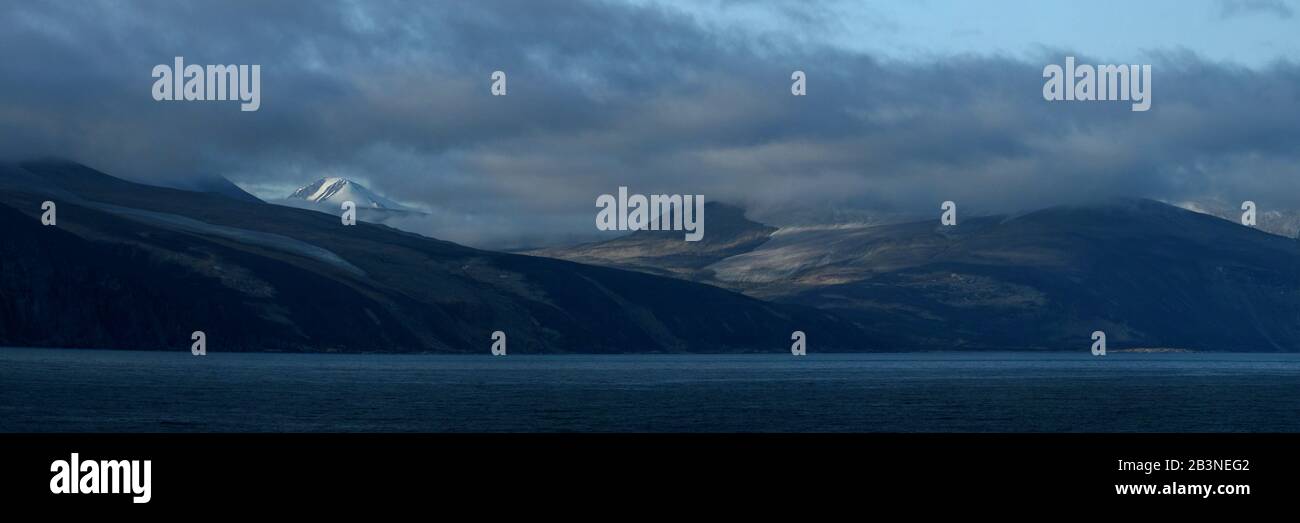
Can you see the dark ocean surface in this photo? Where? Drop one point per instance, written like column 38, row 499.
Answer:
column 56, row 390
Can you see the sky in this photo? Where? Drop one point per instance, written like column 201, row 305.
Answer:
column 908, row 104
column 1249, row 32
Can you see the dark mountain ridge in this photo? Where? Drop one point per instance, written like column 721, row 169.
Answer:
column 137, row 266
column 215, row 185
column 1146, row 273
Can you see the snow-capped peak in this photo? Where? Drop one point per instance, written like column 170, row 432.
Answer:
column 337, row 190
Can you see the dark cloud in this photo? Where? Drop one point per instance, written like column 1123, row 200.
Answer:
column 602, row 95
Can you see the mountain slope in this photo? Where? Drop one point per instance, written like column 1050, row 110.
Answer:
column 1146, row 273
column 1282, row 222
column 136, row 266
column 215, row 185
column 727, row 233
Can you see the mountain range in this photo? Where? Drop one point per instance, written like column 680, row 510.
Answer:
column 129, row 265
column 1146, row 273
column 135, row 266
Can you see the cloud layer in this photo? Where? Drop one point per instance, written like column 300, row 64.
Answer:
column 396, row 94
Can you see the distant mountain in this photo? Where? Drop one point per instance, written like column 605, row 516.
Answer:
column 137, row 266
column 1146, row 273
column 328, row 194
column 338, row 190
column 1282, row 222
column 727, row 232
column 141, row 267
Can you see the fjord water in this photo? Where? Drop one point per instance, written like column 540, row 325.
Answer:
column 59, row 390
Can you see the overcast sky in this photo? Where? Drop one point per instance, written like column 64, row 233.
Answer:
column 909, row 103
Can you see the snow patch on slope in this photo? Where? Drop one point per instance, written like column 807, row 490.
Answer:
column 335, row 191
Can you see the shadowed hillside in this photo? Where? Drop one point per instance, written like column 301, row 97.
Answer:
column 136, row 266
column 1146, row 273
